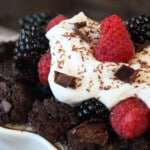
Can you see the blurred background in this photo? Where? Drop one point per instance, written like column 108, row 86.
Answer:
column 12, row 10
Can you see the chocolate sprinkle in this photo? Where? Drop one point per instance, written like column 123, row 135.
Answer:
column 65, row 80
column 79, row 25
column 126, row 74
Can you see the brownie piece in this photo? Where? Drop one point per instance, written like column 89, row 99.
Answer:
column 89, row 135
column 7, row 70
column 61, row 111
column 15, row 103
column 51, row 122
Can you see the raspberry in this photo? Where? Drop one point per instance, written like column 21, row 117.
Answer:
column 130, row 118
column 44, row 67
column 114, row 43
column 54, row 22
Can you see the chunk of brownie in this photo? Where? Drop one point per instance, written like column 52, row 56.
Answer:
column 51, row 122
column 15, row 103
column 61, row 111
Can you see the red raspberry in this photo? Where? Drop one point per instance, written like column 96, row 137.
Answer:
column 130, row 118
column 44, row 67
column 114, row 43
column 54, row 22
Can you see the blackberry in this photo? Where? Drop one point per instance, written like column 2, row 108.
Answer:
column 139, row 29
column 31, row 44
column 39, row 19
column 92, row 108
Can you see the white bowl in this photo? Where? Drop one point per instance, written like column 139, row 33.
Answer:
column 22, row 140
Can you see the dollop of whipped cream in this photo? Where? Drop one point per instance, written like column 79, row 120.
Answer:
column 73, row 56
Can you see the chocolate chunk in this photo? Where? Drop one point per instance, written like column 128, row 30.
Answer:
column 83, row 36
column 6, row 106
column 126, row 74
column 89, row 135
column 79, row 25
column 65, row 80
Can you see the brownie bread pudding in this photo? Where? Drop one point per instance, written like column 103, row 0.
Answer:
column 79, row 81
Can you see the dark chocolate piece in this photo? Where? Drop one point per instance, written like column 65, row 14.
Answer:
column 89, row 135
column 83, row 36
column 79, row 25
column 126, row 74
column 65, row 80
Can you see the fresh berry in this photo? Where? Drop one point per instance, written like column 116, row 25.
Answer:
column 139, row 29
column 114, row 44
column 31, row 45
column 44, row 67
column 92, row 108
column 39, row 19
column 55, row 21
column 129, row 118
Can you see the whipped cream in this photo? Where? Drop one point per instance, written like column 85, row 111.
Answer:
column 73, row 56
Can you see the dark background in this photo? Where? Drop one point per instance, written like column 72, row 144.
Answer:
column 12, row 10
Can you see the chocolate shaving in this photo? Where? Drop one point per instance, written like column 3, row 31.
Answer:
column 6, row 106
column 79, row 25
column 65, row 80
column 126, row 74
column 83, row 36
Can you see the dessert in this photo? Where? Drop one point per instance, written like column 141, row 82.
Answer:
column 95, row 58
column 86, row 88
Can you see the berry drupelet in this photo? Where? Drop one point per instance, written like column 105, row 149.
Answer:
column 92, row 108
column 139, row 29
